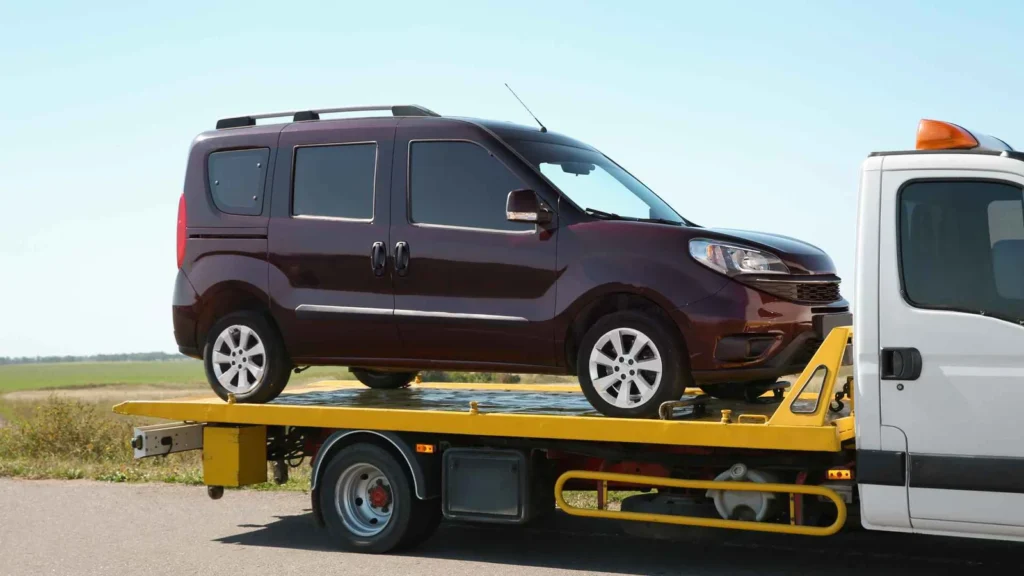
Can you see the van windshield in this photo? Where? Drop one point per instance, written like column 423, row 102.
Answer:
column 595, row 183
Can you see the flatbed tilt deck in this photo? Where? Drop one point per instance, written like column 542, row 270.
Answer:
column 387, row 465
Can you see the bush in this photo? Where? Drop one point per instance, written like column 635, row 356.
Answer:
column 66, row 428
column 471, row 377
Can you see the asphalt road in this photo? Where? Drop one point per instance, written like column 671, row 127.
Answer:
column 84, row 528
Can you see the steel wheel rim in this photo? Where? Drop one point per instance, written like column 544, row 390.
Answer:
column 239, row 359
column 357, row 499
column 625, row 368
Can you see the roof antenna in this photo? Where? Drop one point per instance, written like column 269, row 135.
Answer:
column 542, row 127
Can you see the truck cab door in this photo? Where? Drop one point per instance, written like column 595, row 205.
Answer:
column 951, row 343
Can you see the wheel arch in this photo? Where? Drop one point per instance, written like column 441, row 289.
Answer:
column 226, row 298
column 600, row 303
column 426, row 482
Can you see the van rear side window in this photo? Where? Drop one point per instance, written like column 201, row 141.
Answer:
column 335, row 181
column 237, row 179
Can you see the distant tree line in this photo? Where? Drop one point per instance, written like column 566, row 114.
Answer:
column 133, row 357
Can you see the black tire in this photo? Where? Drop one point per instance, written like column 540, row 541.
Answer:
column 675, row 376
column 406, row 525
column 426, row 518
column 275, row 362
column 383, row 380
column 748, row 391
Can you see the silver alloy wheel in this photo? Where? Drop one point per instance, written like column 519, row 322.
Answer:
column 364, row 499
column 625, row 368
column 239, row 359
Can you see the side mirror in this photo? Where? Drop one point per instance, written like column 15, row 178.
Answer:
column 525, row 206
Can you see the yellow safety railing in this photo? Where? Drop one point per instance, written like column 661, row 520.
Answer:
column 635, row 479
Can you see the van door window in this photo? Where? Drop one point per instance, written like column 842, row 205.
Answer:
column 335, row 181
column 236, row 180
column 460, row 184
column 962, row 247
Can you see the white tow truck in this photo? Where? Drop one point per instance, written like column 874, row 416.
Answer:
column 918, row 435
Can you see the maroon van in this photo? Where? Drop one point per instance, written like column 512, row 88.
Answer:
column 393, row 244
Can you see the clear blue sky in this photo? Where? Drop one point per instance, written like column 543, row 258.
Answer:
column 746, row 115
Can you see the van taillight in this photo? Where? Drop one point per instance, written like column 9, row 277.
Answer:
column 182, row 234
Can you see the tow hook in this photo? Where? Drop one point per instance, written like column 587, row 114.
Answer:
column 215, row 492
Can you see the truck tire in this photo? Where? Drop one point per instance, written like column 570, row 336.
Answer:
column 369, row 505
column 383, row 380
column 244, row 356
column 629, row 363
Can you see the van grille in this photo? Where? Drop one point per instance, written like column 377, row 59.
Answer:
column 805, row 292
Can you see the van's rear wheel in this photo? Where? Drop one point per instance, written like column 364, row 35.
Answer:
column 244, row 356
column 383, row 380
column 629, row 363
column 369, row 504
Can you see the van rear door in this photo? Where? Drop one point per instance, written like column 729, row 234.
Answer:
column 329, row 231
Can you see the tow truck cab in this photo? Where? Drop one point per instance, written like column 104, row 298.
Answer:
column 939, row 345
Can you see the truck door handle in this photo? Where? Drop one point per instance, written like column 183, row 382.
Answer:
column 402, row 258
column 378, row 258
column 901, row 364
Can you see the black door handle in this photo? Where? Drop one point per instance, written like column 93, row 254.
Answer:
column 378, row 258
column 402, row 258
column 900, row 364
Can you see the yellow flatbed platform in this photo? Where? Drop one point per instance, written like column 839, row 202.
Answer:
column 493, row 452
column 555, row 412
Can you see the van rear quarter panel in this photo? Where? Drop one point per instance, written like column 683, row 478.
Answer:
column 226, row 273
column 225, row 254
column 202, row 213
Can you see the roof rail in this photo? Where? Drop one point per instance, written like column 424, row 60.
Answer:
column 304, row 115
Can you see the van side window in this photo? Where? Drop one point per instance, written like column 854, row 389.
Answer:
column 236, row 180
column 335, row 181
column 460, row 184
column 962, row 246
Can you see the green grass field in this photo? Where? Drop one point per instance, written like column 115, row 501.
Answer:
column 172, row 373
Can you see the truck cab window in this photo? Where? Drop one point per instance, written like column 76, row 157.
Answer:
column 962, row 246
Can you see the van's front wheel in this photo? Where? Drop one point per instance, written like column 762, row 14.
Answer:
column 629, row 363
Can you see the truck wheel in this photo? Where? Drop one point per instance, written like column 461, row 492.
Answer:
column 244, row 356
column 629, row 363
column 368, row 502
column 383, row 380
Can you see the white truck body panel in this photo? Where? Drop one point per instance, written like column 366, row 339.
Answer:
column 865, row 309
column 964, row 405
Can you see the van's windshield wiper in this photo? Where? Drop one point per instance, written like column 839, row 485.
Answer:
column 614, row 216
column 603, row 214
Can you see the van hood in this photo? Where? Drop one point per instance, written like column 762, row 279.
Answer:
column 799, row 256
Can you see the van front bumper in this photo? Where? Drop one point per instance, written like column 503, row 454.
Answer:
column 741, row 334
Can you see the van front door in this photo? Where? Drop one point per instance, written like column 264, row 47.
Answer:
column 951, row 358
column 471, row 288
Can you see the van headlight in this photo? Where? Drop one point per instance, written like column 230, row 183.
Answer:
column 730, row 259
